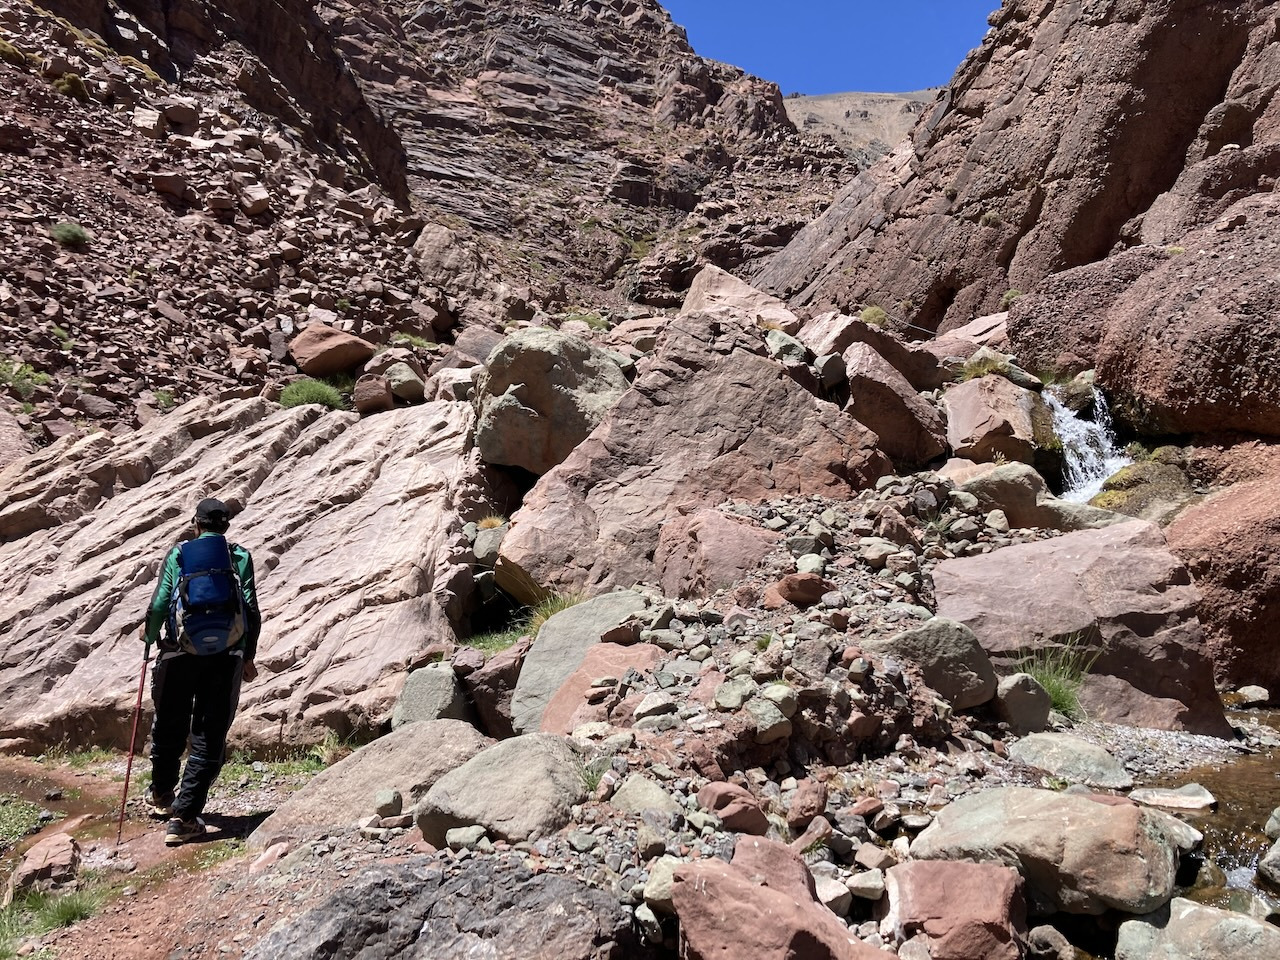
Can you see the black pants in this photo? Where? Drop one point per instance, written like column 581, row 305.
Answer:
column 196, row 698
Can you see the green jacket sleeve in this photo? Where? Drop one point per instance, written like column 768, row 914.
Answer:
column 158, row 612
column 249, row 589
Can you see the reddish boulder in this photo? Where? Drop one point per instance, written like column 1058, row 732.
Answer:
column 709, row 420
column 492, row 686
column 761, row 906
column 835, row 333
column 909, row 427
column 703, row 550
column 717, row 293
column 966, row 910
column 799, row 589
column 810, row 801
column 321, row 350
column 48, row 864
column 1228, row 542
column 372, row 394
column 1117, row 591
column 735, row 806
column 990, row 417
column 571, row 704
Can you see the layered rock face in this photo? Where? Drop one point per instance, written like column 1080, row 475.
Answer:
column 1075, row 157
column 356, row 536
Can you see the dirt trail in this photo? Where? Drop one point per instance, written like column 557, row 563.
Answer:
column 160, row 902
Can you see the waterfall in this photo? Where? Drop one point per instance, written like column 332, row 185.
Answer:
column 1089, row 449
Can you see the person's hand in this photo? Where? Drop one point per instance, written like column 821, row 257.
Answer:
column 250, row 672
column 142, row 633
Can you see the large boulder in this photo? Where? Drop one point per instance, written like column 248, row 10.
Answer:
column 559, row 648
column 709, row 420
column 1228, row 544
column 541, row 393
column 1076, row 854
column 1185, row 930
column 831, row 333
column 484, row 908
column 1116, row 592
column 409, row 760
column 356, row 532
column 762, row 906
column 717, row 293
column 950, row 658
column 430, row 693
column 321, row 350
column 881, row 398
column 990, row 417
column 965, row 910
column 519, row 789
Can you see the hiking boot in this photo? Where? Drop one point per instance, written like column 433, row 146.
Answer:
column 161, row 805
column 179, row 831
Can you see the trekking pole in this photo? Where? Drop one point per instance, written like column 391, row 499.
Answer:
column 133, row 738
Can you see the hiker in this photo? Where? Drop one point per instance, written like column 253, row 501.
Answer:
column 207, row 607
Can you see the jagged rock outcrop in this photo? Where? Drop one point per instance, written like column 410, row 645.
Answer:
column 356, row 535
column 708, row 419
column 1154, row 185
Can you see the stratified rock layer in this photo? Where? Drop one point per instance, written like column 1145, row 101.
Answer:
column 355, row 535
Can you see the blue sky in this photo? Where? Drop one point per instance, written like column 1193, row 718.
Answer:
column 835, row 46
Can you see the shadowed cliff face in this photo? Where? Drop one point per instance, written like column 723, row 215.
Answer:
column 1069, row 121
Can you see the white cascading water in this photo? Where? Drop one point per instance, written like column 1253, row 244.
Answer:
column 1089, row 450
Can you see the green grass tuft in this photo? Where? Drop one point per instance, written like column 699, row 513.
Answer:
column 69, row 233
column 18, row 818
column 22, row 378
column 1061, row 670
column 1010, row 295
column 312, row 391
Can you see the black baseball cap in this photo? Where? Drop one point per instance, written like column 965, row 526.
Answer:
column 212, row 511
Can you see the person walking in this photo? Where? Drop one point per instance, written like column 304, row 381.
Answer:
column 204, row 617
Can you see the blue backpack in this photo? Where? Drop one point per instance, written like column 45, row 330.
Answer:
column 206, row 612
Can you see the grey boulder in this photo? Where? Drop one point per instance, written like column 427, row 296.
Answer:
column 431, row 693
column 519, row 789
column 1071, row 758
column 1189, row 931
column 950, row 659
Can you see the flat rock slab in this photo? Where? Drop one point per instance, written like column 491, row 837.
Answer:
column 417, row 911
column 409, row 760
column 1192, row 797
column 1189, row 931
column 1071, row 758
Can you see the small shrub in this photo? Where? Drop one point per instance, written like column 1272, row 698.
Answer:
column 22, row 378
column 1009, row 296
column 492, row 522
column 874, row 316
column 549, row 607
column 70, row 85
column 11, row 54
column 412, row 340
column 70, row 234
column 991, row 219
column 951, row 193
column 763, row 641
column 311, row 391
column 973, row 369
column 136, row 64
column 1175, row 251
column 164, row 400
column 343, row 304
column 1061, row 670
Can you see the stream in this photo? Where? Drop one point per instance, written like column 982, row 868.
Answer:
column 1089, row 450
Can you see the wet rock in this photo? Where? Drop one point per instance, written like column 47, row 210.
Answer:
column 1191, row 797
